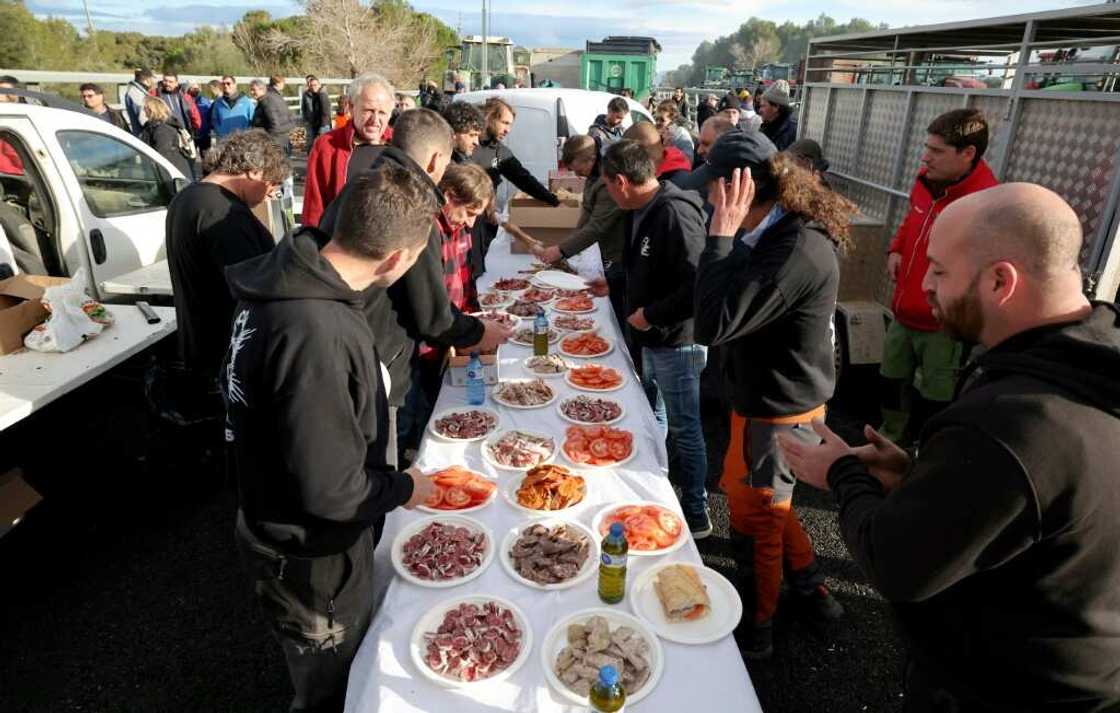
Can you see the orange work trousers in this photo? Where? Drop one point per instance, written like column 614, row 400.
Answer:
column 759, row 488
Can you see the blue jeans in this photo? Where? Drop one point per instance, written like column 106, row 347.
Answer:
column 671, row 380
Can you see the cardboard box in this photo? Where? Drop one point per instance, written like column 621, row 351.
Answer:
column 457, row 367
column 526, row 212
column 16, row 498
column 21, row 307
column 566, row 181
column 548, row 236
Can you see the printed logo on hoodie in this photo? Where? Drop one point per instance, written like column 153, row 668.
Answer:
column 645, row 247
column 238, row 338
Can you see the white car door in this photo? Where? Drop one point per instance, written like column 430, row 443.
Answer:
column 121, row 194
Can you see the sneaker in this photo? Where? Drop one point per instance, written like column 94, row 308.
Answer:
column 699, row 525
column 756, row 641
column 821, row 604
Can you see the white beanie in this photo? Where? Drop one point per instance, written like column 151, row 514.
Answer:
column 777, row 93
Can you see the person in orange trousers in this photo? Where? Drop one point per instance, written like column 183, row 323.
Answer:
column 766, row 289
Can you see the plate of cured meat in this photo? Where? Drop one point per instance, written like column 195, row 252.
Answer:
column 550, row 553
column 459, row 490
column 524, row 393
column 464, row 424
column 468, row 641
column 511, row 284
column 586, row 410
column 518, row 450
column 442, row 550
column 651, row 528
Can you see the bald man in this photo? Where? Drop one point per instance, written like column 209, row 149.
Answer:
column 712, row 129
column 998, row 543
column 672, row 164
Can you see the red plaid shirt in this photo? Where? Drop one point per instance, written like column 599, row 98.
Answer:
column 457, row 276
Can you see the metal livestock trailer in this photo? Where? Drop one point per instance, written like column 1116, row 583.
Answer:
column 1049, row 84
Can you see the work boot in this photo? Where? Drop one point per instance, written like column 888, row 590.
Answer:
column 756, row 641
column 820, row 604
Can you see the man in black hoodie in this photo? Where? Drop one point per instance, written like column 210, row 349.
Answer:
column 417, row 308
column 664, row 235
column 307, row 425
column 997, row 544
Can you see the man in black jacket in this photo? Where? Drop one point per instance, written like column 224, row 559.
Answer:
column 315, row 110
column 418, row 307
column 607, row 128
column 307, row 426
column 272, row 113
column 664, row 236
column 997, row 544
column 500, row 163
column 766, row 292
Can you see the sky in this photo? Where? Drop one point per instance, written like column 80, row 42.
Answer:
column 678, row 25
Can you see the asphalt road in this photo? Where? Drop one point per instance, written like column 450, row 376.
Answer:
column 123, row 592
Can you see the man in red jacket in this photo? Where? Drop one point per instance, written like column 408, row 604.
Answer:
column 920, row 361
column 349, row 149
column 670, row 161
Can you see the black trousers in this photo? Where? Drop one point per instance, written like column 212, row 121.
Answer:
column 318, row 608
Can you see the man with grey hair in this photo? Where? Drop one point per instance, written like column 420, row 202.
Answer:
column 419, row 308
column 348, row 150
column 997, row 541
column 272, row 112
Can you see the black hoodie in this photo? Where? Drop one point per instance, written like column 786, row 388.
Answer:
column 499, row 162
column 416, row 308
column 999, row 549
column 660, row 256
column 306, row 411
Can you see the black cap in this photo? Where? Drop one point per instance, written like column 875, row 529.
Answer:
column 735, row 149
column 810, row 151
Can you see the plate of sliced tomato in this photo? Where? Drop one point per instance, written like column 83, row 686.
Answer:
column 585, row 345
column 651, row 528
column 574, row 305
column 598, row 446
column 457, row 489
column 595, row 377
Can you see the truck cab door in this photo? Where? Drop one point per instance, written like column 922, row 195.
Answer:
column 120, row 194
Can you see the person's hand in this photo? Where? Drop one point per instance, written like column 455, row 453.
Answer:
column 884, row 460
column 422, row 487
column 810, row 463
column 493, row 334
column 598, row 286
column 893, row 262
column 638, row 320
column 732, row 201
column 548, row 255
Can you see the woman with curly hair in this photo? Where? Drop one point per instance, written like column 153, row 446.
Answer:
column 766, row 289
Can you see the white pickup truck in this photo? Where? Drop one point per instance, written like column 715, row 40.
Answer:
column 76, row 192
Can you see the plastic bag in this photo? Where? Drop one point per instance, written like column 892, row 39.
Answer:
column 74, row 317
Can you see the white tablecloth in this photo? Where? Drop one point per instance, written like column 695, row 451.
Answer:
column 383, row 677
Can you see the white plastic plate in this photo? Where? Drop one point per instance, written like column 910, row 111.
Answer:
column 431, row 621
column 589, row 567
column 726, row 607
column 457, row 520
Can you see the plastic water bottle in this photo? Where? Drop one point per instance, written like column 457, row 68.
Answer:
column 540, row 334
column 476, row 383
column 607, row 694
column 612, row 565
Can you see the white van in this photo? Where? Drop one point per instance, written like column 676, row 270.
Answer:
column 88, row 194
column 546, row 117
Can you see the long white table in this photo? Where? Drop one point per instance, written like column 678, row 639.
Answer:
column 31, row 380
column 383, row 677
